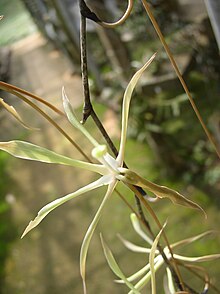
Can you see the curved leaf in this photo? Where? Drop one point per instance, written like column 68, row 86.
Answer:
column 134, row 247
column 25, row 150
column 90, row 231
column 131, row 177
column 114, row 266
column 54, row 204
column 138, row 230
column 73, row 120
column 152, row 262
column 197, row 259
column 171, row 286
column 14, row 113
column 141, row 272
column 144, row 281
column 125, row 108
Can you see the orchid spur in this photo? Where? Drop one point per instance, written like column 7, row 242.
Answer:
column 110, row 169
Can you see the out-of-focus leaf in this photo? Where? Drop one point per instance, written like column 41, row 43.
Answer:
column 54, row 204
column 125, row 108
column 30, row 151
column 90, row 231
column 114, row 266
column 1, row 17
column 73, row 120
column 151, row 260
column 131, row 177
column 14, row 113
column 138, row 230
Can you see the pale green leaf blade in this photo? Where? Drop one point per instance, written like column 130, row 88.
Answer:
column 133, row 178
column 15, row 114
column 54, row 204
column 138, row 230
column 145, row 280
column 114, row 266
column 134, row 247
column 90, row 231
column 25, row 150
column 73, row 119
column 151, row 260
column 141, row 272
column 171, row 286
column 192, row 239
column 203, row 258
column 125, row 108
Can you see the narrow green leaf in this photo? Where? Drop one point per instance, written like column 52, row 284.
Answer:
column 25, row 150
column 151, row 260
column 91, row 229
column 114, row 266
column 191, row 239
column 197, row 259
column 134, row 247
column 145, row 280
column 138, row 230
column 170, row 281
column 141, row 272
column 73, row 119
column 131, row 177
column 54, row 204
column 125, row 108
column 14, row 113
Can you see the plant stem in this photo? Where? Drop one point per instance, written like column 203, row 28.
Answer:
column 87, row 108
column 173, row 267
column 173, row 62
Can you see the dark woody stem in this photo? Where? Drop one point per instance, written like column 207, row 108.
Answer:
column 89, row 111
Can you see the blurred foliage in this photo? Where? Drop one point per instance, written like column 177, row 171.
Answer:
column 7, row 230
column 15, row 16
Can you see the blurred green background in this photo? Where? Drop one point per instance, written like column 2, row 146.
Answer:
column 166, row 144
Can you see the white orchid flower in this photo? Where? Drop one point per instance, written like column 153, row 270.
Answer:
column 110, row 169
column 156, row 261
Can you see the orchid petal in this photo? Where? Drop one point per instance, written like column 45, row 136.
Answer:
column 125, row 108
column 30, row 151
column 90, row 231
column 14, row 113
column 73, row 119
column 137, row 228
column 114, row 266
column 151, row 260
column 54, row 204
column 133, row 178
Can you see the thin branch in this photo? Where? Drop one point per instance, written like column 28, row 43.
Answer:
column 87, row 108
